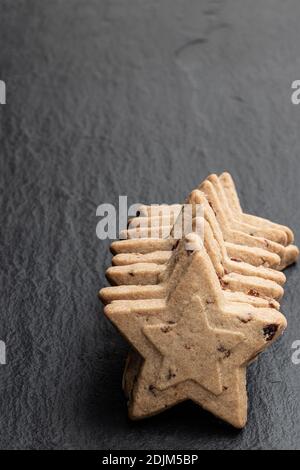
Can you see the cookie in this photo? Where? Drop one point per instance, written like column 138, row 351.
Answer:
column 216, row 247
column 149, row 273
column 135, row 274
column 231, row 264
column 269, row 232
column 238, row 234
column 266, row 243
column 235, row 207
column 158, row 257
column 248, row 254
column 153, row 232
column 290, row 253
column 195, row 344
column 155, row 289
column 139, row 292
column 142, row 245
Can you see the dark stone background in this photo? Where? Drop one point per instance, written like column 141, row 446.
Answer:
column 142, row 98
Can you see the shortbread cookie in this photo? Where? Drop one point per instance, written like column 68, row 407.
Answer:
column 196, row 345
column 142, row 245
column 154, row 282
column 235, row 207
column 135, row 274
column 131, row 280
column 238, row 228
column 154, row 232
column 158, row 291
column 291, row 252
column 158, row 257
column 150, row 273
column 233, row 282
column 230, row 264
column 250, row 255
column 270, row 233
column 239, row 237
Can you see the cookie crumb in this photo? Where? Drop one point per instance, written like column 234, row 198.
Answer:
column 225, row 351
column 165, row 329
column 270, row 331
column 253, row 292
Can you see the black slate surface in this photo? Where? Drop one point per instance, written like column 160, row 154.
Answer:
column 140, row 98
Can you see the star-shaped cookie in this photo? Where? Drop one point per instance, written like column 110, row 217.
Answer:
column 195, row 345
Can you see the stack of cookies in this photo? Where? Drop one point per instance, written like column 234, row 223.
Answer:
column 199, row 307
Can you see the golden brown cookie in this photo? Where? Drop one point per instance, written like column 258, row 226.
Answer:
column 149, row 273
column 155, row 285
column 195, row 344
column 257, row 281
column 235, row 206
column 290, row 253
column 257, row 230
column 236, row 233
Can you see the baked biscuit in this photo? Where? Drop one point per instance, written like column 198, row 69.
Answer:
column 195, row 344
